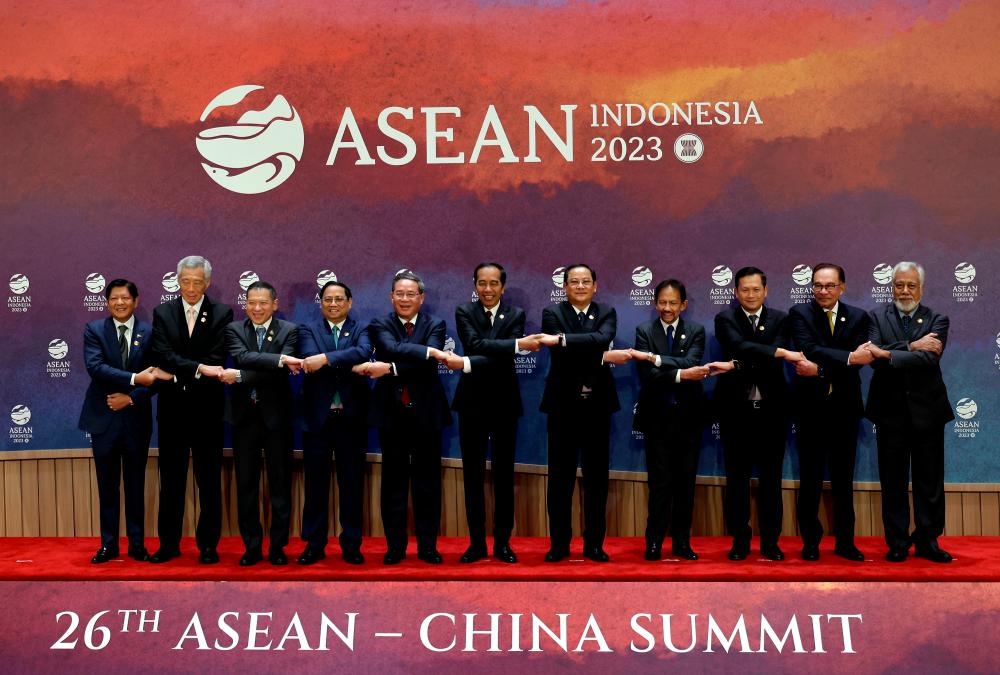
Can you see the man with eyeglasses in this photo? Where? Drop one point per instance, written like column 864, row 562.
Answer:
column 579, row 399
column 909, row 405
column 831, row 334
column 335, row 407
column 410, row 409
column 753, row 400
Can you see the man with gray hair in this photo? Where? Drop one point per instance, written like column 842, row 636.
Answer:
column 909, row 405
column 188, row 341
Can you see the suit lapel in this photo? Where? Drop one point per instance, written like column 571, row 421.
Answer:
column 139, row 333
column 500, row 316
column 325, row 336
column 919, row 324
column 659, row 338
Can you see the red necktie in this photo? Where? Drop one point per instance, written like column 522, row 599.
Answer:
column 405, row 396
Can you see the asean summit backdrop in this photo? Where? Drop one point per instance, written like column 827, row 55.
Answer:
column 332, row 139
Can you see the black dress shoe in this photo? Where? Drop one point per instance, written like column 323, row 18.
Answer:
column 683, row 551
column 596, row 554
column 504, row 553
column 311, row 555
column 276, row 556
column 810, row 552
column 430, row 556
column 352, row 556
column 251, row 557
column 393, row 557
column 897, row 555
column 473, row 554
column 933, row 553
column 739, row 551
column 556, row 554
column 208, row 556
column 103, row 555
column 654, row 551
column 772, row 552
column 138, row 553
column 849, row 552
column 163, row 555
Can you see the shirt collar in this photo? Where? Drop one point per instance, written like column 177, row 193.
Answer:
column 130, row 324
column 405, row 321
column 265, row 325
column 674, row 324
column 197, row 306
column 340, row 326
column 585, row 310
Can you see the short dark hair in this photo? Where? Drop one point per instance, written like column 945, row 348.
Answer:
column 347, row 291
column 671, row 283
column 407, row 275
column 593, row 274
column 118, row 283
column 829, row 266
column 749, row 272
column 503, row 272
column 263, row 285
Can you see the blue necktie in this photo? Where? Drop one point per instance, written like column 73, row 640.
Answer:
column 580, row 318
column 260, row 343
column 906, row 324
column 670, row 339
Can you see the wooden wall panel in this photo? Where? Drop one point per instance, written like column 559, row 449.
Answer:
column 57, row 496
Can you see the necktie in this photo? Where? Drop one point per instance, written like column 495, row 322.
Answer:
column 580, row 318
column 829, row 318
column 670, row 339
column 753, row 321
column 190, row 319
column 906, row 324
column 336, row 336
column 336, row 340
column 754, row 393
column 123, row 345
column 489, row 315
column 404, row 397
column 260, row 337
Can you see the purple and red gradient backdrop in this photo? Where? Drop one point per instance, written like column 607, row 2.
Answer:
column 880, row 142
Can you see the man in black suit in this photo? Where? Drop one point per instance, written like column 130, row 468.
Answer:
column 488, row 403
column 827, row 389
column 752, row 395
column 335, row 406
column 188, row 342
column 119, row 416
column 579, row 399
column 670, row 414
column 909, row 405
column 410, row 409
column 259, row 409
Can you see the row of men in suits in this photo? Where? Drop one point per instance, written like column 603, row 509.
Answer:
column 192, row 337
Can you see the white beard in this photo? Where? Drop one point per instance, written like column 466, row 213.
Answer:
column 906, row 307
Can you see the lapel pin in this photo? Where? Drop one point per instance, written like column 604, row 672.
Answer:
column 203, row 319
column 136, row 343
column 843, row 318
column 590, row 316
column 205, row 313
column 345, row 333
column 501, row 316
column 270, row 338
column 683, row 336
column 761, row 328
column 920, row 320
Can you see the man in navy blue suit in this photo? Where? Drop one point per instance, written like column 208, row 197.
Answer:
column 335, row 405
column 410, row 410
column 118, row 415
column 827, row 386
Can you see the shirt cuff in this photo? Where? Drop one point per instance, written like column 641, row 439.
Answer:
column 131, row 380
column 197, row 372
column 239, row 376
column 393, row 366
column 677, row 377
column 428, row 354
column 467, row 364
column 658, row 361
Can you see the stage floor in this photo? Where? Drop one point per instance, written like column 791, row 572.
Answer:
column 54, row 559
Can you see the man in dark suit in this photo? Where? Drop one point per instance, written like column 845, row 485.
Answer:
column 752, row 395
column 188, row 342
column 118, row 415
column 579, row 400
column 909, row 405
column 827, row 389
column 335, row 406
column 410, row 409
column 488, row 403
column 670, row 414
column 259, row 409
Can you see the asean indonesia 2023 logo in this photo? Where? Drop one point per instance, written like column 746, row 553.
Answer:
column 259, row 151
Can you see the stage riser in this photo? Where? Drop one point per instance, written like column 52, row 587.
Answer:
column 57, row 496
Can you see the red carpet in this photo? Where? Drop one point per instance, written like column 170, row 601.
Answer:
column 976, row 559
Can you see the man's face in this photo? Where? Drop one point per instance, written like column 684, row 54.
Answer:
column 406, row 298
column 751, row 291
column 669, row 304
column 193, row 284
column 580, row 287
column 827, row 287
column 906, row 290
column 121, row 304
column 335, row 304
column 260, row 305
column 488, row 286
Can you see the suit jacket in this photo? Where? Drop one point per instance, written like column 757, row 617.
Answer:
column 104, row 364
column 578, row 364
column 178, row 353
column 414, row 370
column 353, row 347
column 811, row 329
column 754, row 349
column 260, row 372
column 491, row 352
column 658, row 384
column 909, row 389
